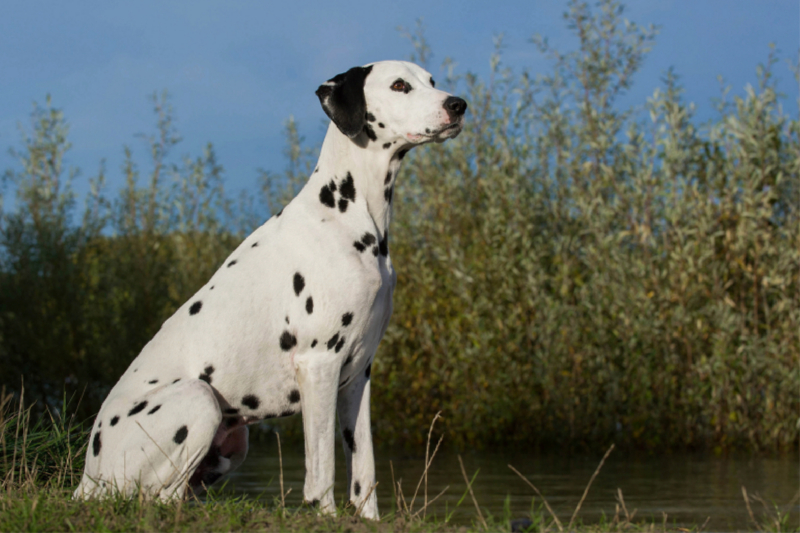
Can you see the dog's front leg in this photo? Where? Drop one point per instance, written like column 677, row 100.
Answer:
column 353, row 406
column 318, row 378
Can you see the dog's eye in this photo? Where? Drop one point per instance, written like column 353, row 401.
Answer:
column 433, row 84
column 401, row 86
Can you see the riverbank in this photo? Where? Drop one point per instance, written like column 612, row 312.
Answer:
column 43, row 460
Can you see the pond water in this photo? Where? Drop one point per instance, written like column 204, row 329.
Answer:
column 689, row 488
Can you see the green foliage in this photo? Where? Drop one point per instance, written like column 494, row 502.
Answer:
column 569, row 272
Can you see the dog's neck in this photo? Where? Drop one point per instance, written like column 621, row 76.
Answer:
column 373, row 168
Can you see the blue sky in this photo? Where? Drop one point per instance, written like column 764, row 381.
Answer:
column 237, row 69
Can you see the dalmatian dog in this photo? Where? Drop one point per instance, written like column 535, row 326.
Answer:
column 289, row 323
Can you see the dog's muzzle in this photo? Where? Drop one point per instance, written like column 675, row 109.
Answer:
column 455, row 107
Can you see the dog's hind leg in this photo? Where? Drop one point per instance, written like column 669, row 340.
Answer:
column 153, row 442
column 354, row 419
column 318, row 377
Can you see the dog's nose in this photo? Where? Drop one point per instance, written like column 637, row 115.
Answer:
column 455, row 105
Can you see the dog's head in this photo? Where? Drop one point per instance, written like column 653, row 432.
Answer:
column 391, row 102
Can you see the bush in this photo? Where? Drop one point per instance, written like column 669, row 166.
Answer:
column 572, row 273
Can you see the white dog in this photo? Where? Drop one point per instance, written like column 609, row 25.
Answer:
column 289, row 322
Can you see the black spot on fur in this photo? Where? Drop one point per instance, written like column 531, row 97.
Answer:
column 346, row 319
column 114, row 421
column 232, row 263
column 380, row 125
column 357, row 488
column 279, row 213
column 388, row 178
column 332, row 186
column 194, row 309
column 138, row 408
column 212, row 288
column 206, row 374
column 347, row 434
column 177, row 380
column 339, row 344
column 313, row 343
column 287, row 319
column 368, row 238
column 309, row 305
column 387, row 194
column 231, row 411
column 96, row 444
column 401, row 154
column 288, row 341
column 326, row 196
column 375, row 251
column 369, row 116
column 368, row 371
column 427, row 130
column 294, row 396
column 348, row 360
column 154, row 409
column 316, row 170
column 333, row 340
column 342, row 205
column 386, row 146
column 370, row 132
column 299, row 283
column 348, row 188
column 152, row 382
column 384, row 244
column 251, row 401
column 433, row 84
column 360, row 247
column 99, row 424
column 287, row 413
column 180, row 435
column 254, row 244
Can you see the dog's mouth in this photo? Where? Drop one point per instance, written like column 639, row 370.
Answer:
column 447, row 131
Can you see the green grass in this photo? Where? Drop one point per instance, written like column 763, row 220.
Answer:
column 36, row 508
column 43, row 460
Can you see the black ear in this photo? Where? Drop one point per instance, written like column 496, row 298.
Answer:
column 342, row 99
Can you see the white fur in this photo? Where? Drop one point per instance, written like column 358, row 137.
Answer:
column 240, row 332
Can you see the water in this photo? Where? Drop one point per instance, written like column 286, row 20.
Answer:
column 689, row 488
